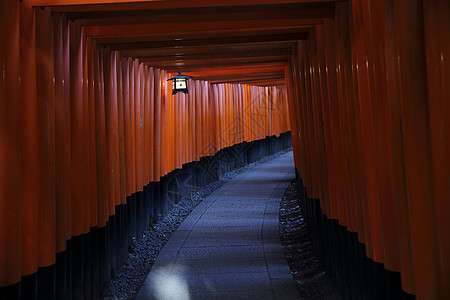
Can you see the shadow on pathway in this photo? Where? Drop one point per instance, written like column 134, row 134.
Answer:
column 229, row 246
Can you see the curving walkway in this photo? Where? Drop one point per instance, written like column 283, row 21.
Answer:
column 229, row 247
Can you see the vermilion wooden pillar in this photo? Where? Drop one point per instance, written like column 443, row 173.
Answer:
column 198, row 120
column 132, row 136
column 76, row 126
column 216, row 106
column 157, row 135
column 342, row 62
column 292, row 112
column 90, row 82
column 315, row 121
column 170, row 154
column 86, row 149
column 436, row 16
column 318, row 124
column 110, row 111
column 204, row 129
column 45, row 97
column 100, row 141
column 127, row 124
column 367, row 130
column 359, row 148
column 10, row 180
column 326, row 119
column 146, row 121
column 303, row 117
column 190, row 119
column 353, row 124
column 174, row 145
column 142, row 125
column 382, row 142
column 297, row 105
column 29, row 146
column 151, row 123
column 138, row 119
column 331, row 114
column 163, row 123
column 399, row 180
column 414, row 103
column 121, row 130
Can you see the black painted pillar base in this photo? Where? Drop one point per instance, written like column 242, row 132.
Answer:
column 90, row 260
column 344, row 257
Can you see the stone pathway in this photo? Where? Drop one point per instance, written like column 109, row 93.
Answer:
column 229, row 246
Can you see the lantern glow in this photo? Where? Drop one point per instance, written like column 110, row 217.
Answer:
column 179, row 83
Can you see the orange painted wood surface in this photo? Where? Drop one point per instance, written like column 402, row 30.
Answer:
column 98, row 128
column 87, row 117
column 377, row 71
column 29, row 147
column 10, row 260
column 436, row 16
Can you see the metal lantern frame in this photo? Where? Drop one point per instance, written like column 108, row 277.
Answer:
column 177, row 80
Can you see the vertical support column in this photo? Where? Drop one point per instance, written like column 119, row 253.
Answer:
column 67, row 134
column 90, row 82
column 132, row 81
column 121, row 129
column 62, row 158
column 366, row 129
column 101, row 165
column 76, row 126
column 398, row 167
column 138, row 119
column 127, row 125
column 10, row 180
column 157, row 135
column 46, row 138
column 29, row 154
column 163, row 124
column 437, row 50
column 110, row 108
column 382, row 142
column 414, row 105
column 151, row 123
column 146, row 121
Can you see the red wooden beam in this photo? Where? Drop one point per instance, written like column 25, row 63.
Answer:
column 111, row 5
column 206, row 14
column 163, row 37
column 199, row 27
column 206, row 52
column 260, row 82
column 226, row 55
column 240, row 78
column 237, row 71
column 250, row 39
column 215, row 62
column 189, row 66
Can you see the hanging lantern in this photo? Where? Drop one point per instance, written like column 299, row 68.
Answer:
column 179, row 83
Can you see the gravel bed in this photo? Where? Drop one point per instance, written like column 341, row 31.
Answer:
column 312, row 280
column 142, row 255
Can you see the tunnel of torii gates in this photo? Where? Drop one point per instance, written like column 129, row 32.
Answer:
column 91, row 138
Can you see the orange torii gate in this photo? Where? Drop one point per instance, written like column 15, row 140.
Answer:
column 90, row 135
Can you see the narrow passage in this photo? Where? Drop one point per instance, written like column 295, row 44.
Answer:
column 229, row 246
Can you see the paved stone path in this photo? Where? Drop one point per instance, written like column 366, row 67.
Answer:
column 229, row 246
